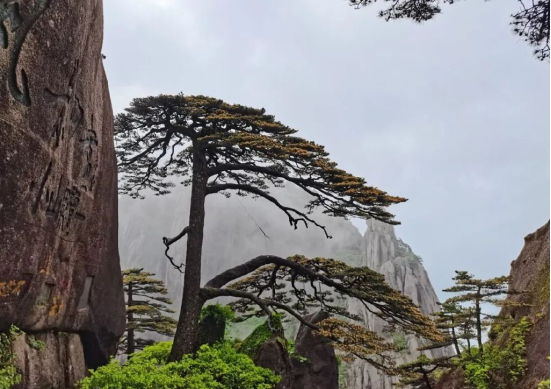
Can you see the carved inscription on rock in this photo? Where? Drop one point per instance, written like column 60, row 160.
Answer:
column 14, row 27
column 88, row 174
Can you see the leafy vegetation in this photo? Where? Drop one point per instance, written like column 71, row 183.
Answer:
column 217, row 312
column 8, row 372
column 400, row 342
column 272, row 327
column 544, row 384
column 35, row 343
column 497, row 364
column 217, row 367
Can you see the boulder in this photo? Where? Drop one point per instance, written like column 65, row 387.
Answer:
column 59, row 263
column 50, row 360
column 316, row 367
column 267, row 347
column 272, row 354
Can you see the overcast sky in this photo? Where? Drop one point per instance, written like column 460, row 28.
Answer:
column 452, row 114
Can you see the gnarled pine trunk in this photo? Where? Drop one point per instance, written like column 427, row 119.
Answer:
column 185, row 339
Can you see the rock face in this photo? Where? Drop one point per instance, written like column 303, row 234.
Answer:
column 272, row 355
column 58, row 364
column 383, row 252
column 530, row 272
column 59, row 264
column 320, row 370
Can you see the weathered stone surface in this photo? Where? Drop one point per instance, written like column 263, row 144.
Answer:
column 320, row 370
column 272, row 355
column 383, row 252
column 59, row 265
column 56, row 364
column 530, row 273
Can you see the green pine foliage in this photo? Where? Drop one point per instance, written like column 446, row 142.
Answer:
column 146, row 309
column 216, row 367
column 8, row 372
column 422, row 372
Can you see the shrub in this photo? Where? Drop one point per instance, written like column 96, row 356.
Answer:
column 497, row 367
column 217, row 312
column 216, row 367
column 544, row 384
column 270, row 328
column 8, row 372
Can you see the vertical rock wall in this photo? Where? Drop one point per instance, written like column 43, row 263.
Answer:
column 383, row 252
column 59, row 264
column 530, row 273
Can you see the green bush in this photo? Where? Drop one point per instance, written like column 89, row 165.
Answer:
column 270, row 328
column 220, row 313
column 217, row 367
column 544, row 384
column 497, row 367
column 8, row 373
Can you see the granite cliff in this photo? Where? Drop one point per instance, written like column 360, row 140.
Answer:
column 382, row 251
column 59, row 266
column 530, row 275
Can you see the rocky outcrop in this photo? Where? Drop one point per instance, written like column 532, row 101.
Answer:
column 383, row 252
column 317, row 367
column 272, row 354
column 529, row 275
column 453, row 379
column 59, row 264
column 50, row 359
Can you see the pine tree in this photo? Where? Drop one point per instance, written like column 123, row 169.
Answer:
column 220, row 148
column 447, row 321
column 530, row 22
column 146, row 309
column 457, row 324
column 477, row 292
column 420, row 373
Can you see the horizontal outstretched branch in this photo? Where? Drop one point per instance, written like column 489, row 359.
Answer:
column 169, row 241
column 383, row 309
column 316, row 188
column 251, row 189
column 209, row 293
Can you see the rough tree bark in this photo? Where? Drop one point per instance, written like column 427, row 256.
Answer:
column 192, row 302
